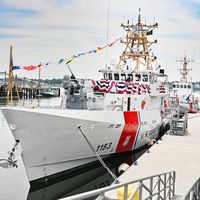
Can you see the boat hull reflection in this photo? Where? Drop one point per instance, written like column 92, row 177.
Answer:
column 88, row 177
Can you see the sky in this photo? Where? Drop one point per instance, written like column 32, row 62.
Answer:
column 42, row 31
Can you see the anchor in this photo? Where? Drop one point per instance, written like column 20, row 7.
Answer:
column 13, row 156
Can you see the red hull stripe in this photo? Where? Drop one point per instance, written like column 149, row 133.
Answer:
column 129, row 132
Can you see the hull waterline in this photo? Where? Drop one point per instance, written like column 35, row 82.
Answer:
column 52, row 143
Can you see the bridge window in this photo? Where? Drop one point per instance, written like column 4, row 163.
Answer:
column 145, row 78
column 174, row 86
column 177, row 86
column 155, row 79
column 109, row 76
column 185, row 86
column 105, row 76
column 181, row 86
column 123, row 77
column 129, row 78
column 116, row 76
column 150, row 78
column 137, row 77
column 189, row 86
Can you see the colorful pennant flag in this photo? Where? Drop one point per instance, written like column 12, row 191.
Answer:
column 16, row 67
column 60, row 61
column 29, row 68
column 70, row 60
column 32, row 67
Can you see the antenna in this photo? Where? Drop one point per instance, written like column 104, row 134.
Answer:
column 137, row 44
column 9, row 94
column 72, row 75
column 39, row 78
column 139, row 16
column 184, row 70
column 107, row 30
column 10, row 81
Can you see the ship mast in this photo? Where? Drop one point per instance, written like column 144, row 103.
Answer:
column 10, row 76
column 10, row 81
column 184, row 71
column 137, row 44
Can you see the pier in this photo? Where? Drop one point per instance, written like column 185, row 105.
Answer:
column 13, row 87
column 174, row 161
column 25, row 88
column 172, row 153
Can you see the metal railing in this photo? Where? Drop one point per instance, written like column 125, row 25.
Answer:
column 194, row 192
column 159, row 187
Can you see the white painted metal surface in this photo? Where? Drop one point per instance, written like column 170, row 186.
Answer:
column 178, row 153
column 194, row 192
column 14, row 183
column 55, row 144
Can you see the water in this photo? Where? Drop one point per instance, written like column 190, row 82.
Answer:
column 14, row 183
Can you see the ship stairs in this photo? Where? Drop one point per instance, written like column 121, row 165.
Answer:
column 179, row 125
column 178, row 119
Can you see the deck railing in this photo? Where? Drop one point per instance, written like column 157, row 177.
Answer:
column 194, row 192
column 159, row 187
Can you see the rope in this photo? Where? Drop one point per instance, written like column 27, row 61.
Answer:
column 97, row 155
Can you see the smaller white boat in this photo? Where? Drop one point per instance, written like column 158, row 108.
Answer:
column 182, row 91
column 51, row 92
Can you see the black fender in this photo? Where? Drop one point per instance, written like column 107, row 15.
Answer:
column 161, row 130
column 167, row 127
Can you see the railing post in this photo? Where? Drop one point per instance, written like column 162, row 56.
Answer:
column 195, row 190
column 140, row 191
column 174, row 180
column 192, row 195
column 125, row 192
column 165, row 184
column 151, row 187
column 198, row 189
column 159, row 187
column 170, row 185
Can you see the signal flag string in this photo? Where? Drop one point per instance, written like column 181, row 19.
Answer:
column 33, row 67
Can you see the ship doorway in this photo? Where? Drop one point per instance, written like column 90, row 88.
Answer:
column 128, row 103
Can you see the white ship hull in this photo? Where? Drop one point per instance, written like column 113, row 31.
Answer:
column 52, row 143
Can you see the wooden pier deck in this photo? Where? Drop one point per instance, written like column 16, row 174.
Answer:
column 172, row 153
